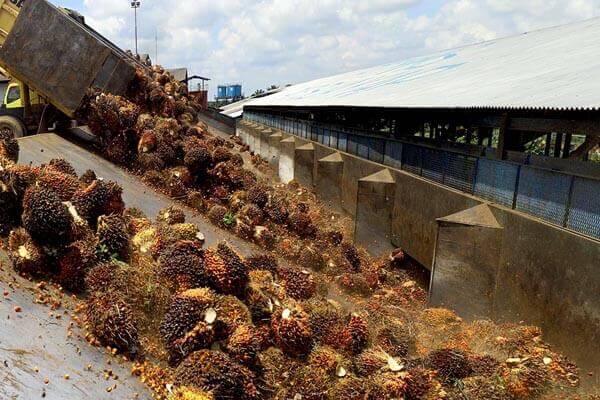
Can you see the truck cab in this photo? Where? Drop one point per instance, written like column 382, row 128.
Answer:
column 13, row 117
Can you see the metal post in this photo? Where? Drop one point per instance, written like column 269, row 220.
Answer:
column 135, row 4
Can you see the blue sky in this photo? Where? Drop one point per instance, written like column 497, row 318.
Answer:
column 259, row 43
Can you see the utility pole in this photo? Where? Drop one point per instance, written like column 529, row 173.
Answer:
column 135, row 4
column 156, row 46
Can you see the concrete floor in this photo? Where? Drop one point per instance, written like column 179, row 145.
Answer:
column 34, row 339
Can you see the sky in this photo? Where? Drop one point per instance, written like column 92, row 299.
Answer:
column 260, row 43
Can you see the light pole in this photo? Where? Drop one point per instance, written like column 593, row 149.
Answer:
column 135, row 4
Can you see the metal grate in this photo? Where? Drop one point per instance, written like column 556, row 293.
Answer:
column 496, row 181
column 393, row 154
column 342, row 142
column 433, row 162
column 352, row 146
column 584, row 213
column 411, row 158
column 460, row 172
column 544, row 194
column 363, row 147
column 376, row 150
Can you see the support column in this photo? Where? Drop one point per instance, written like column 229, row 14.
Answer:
column 466, row 262
column 328, row 181
column 374, row 206
column 304, row 164
column 287, row 149
column 252, row 137
column 274, row 150
column 263, row 147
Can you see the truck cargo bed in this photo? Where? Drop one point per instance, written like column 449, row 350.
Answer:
column 61, row 58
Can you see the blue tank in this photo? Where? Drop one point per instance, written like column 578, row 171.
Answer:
column 221, row 92
column 234, row 91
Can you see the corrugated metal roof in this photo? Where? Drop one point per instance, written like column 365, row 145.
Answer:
column 235, row 110
column 551, row 68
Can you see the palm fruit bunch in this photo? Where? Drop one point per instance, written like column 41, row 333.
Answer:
column 113, row 236
column 387, row 386
column 329, row 361
column 395, row 338
column 306, row 383
column 226, row 270
column 299, row 284
column 355, row 335
column 158, row 239
column 47, row 220
column 197, row 155
column 74, row 263
column 9, row 149
column 259, row 298
column 311, row 257
column 244, row 344
column 110, row 319
column 291, row 331
column 350, row 253
column 301, row 224
column 326, row 321
column 231, row 313
column 98, row 198
column 9, row 203
column 258, row 194
column 419, row 382
column 216, row 214
column 217, row 373
column 189, row 323
column 186, row 393
column 183, row 264
column 61, row 165
column 527, row 379
column 265, row 262
column 88, row 177
column 451, row 364
column 350, row 388
column 371, row 361
column 26, row 256
column 107, row 277
column 171, row 216
column 63, row 185
column 277, row 209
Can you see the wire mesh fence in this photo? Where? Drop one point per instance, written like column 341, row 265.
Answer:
column 564, row 199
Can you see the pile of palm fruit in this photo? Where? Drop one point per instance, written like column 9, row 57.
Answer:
column 207, row 323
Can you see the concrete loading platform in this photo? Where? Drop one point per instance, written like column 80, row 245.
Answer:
column 487, row 261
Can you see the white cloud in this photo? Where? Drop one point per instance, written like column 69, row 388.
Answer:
column 262, row 42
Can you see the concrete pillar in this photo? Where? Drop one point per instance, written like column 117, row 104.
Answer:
column 328, row 180
column 304, row 164
column 250, row 132
column 274, row 141
column 263, row 149
column 287, row 149
column 466, row 262
column 374, row 206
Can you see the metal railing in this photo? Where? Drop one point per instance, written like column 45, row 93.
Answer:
column 568, row 200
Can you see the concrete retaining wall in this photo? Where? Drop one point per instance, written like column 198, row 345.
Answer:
column 545, row 275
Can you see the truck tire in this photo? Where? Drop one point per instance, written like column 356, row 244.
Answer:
column 13, row 126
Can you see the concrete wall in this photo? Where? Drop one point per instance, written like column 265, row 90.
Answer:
column 550, row 277
column 546, row 275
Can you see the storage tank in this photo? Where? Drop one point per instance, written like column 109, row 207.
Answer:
column 234, row 91
column 221, row 92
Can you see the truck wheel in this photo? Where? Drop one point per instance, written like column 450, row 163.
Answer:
column 12, row 126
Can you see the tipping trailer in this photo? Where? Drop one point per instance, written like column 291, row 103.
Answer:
column 53, row 58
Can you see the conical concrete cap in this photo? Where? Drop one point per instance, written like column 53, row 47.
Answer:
column 480, row 215
column 383, row 176
column 332, row 158
column 308, row 146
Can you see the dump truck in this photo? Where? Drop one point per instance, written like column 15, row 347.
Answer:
column 53, row 58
